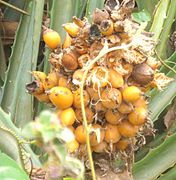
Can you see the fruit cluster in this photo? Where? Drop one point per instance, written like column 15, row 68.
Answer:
column 117, row 53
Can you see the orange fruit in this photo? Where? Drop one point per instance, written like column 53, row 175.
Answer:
column 112, row 134
column 126, row 129
column 67, row 117
column 125, row 108
column 138, row 116
column 77, row 98
column 111, row 99
column 115, row 79
column 80, row 134
column 51, row 38
column 61, row 97
column 99, row 148
column 89, row 115
column 131, row 93
column 97, row 134
column 112, row 117
column 122, row 144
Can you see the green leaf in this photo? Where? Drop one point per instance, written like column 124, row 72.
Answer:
column 161, row 100
column 11, row 14
column 142, row 16
column 91, row 6
column 170, row 175
column 10, row 145
column 171, row 59
column 155, row 142
column 2, row 63
column 157, row 161
column 23, row 60
column 9, row 170
column 159, row 18
column 149, row 5
column 166, row 29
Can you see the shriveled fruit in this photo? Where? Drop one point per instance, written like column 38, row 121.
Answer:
column 80, row 134
column 122, row 144
column 113, row 117
column 143, row 74
column 111, row 99
column 99, row 107
column 77, row 76
column 61, row 97
column 115, row 79
column 67, row 117
column 112, row 134
column 125, row 108
column 97, row 134
column 138, row 116
column 70, row 60
column 51, row 38
column 126, row 129
column 106, row 27
column 35, row 87
column 72, row 146
column 99, row 148
column 99, row 77
column 89, row 115
column 77, row 98
column 92, row 93
column 131, row 93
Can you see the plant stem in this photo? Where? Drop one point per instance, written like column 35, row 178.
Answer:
column 164, row 63
column 103, row 52
column 13, row 7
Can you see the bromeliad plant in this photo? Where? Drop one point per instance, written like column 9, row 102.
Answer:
column 120, row 37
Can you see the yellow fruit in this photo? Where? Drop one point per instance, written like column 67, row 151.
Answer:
column 67, row 41
column 39, row 76
column 42, row 97
column 77, row 98
column 113, row 117
column 51, row 38
column 131, row 93
column 61, row 97
column 138, row 116
column 64, row 82
column 112, row 134
column 111, row 99
column 89, row 115
column 72, row 146
column 67, row 117
column 51, row 80
column 99, row 148
column 126, row 129
column 141, row 102
column 72, row 29
column 80, row 134
column 97, row 134
column 122, row 144
column 125, row 108
column 115, row 79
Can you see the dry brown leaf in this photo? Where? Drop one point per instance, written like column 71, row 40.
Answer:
column 170, row 116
